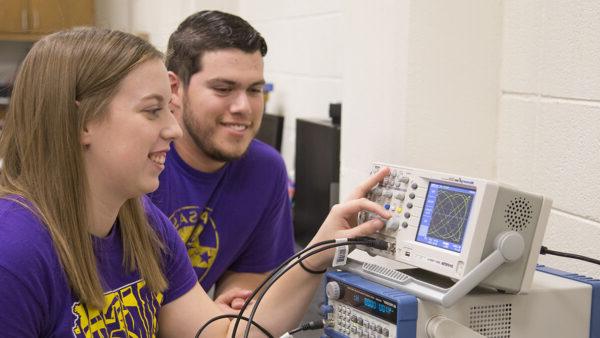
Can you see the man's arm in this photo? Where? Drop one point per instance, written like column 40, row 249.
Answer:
column 233, row 288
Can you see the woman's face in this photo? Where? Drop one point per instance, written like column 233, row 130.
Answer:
column 125, row 151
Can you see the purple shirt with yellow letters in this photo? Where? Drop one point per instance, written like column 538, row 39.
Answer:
column 35, row 297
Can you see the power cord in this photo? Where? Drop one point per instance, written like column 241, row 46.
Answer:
column 545, row 251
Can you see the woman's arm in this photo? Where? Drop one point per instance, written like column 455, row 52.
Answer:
column 286, row 302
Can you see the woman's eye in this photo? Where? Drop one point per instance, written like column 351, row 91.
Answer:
column 153, row 111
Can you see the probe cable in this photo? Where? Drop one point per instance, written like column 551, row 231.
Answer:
column 544, row 250
column 339, row 242
column 312, row 325
column 286, row 266
column 265, row 331
column 239, row 316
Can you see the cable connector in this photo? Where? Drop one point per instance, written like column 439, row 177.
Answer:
column 312, row 325
column 372, row 242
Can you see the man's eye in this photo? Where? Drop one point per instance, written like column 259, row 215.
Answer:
column 223, row 89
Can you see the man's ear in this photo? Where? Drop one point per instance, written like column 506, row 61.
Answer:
column 176, row 92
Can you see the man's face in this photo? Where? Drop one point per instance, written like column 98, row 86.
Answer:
column 223, row 104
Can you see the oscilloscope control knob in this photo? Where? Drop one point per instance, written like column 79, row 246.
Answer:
column 333, row 290
column 392, row 224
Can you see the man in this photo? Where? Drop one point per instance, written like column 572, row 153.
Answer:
column 225, row 192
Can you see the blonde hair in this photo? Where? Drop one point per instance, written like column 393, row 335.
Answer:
column 67, row 80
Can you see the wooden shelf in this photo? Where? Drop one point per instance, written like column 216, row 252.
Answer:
column 29, row 20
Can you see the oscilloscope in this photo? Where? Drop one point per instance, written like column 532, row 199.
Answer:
column 473, row 231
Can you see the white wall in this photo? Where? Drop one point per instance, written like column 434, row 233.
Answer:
column 155, row 18
column 421, row 83
column 304, row 61
column 549, row 126
column 500, row 89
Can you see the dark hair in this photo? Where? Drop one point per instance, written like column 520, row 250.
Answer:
column 209, row 31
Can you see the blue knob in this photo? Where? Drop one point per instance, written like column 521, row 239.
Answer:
column 325, row 309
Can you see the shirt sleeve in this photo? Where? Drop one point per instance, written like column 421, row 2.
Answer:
column 273, row 241
column 176, row 263
column 21, row 314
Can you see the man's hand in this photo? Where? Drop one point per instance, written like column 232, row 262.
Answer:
column 231, row 301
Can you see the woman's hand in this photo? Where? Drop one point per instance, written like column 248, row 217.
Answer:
column 342, row 219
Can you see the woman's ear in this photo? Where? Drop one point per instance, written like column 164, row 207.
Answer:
column 86, row 137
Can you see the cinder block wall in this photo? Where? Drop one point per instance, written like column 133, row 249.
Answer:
column 549, row 118
column 521, row 75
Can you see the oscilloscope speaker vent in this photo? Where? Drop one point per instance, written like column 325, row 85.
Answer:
column 518, row 213
column 491, row 321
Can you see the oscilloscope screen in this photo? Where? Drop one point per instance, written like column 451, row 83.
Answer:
column 445, row 216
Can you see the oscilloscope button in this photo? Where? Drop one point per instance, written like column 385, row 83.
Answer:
column 404, row 179
column 405, row 225
column 414, row 186
column 409, row 205
column 387, row 193
column 411, row 195
column 407, row 215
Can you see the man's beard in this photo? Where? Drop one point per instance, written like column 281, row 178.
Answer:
column 203, row 138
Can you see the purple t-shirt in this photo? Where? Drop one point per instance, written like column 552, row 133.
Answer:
column 238, row 218
column 35, row 297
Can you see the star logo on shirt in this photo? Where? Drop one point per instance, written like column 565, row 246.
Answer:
column 205, row 256
column 199, row 232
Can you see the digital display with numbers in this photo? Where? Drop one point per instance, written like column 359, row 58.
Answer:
column 370, row 304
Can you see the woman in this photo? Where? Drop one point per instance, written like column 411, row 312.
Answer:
column 83, row 254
